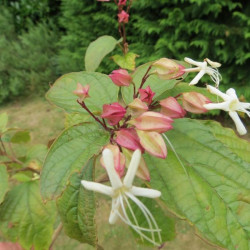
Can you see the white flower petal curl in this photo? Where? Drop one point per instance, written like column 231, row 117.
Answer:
column 238, row 123
column 145, row 192
column 97, row 187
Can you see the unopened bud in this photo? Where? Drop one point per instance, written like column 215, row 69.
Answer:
column 137, row 107
column 82, row 91
column 153, row 143
column 193, row 102
column 120, row 77
column 152, row 121
column 113, row 113
column 168, row 69
column 171, row 108
column 129, row 139
column 146, row 95
column 123, row 17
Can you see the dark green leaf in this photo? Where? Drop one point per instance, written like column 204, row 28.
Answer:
column 69, row 153
column 77, row 207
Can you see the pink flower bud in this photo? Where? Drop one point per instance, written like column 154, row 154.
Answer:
column 146, row 95
column 113, row 113
column 120, row 77
column 122, row 2
column 153, row 143
column 137, row 107
column 142, row 171
column 193, row 102
column 123, row 17
column 129, row 139
column 152, row 121
column 81, row 92
column 170, row 107
column 119, row 159
column 168, row 69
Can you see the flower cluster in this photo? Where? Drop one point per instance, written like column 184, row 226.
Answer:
column 230, row 103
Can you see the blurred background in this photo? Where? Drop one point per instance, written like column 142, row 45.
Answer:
column 43, row 39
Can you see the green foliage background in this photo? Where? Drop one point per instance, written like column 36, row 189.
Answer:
column 40, row 40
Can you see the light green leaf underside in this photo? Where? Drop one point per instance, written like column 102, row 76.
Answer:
column 157, row 85
column 102, row 91
column 97, row 50
column 77, row 207
column 76, row 118
column 68, row 154
column 24, row 217
column 215, row 195
column 3, row 182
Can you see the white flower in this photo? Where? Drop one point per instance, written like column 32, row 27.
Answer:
column 203, row 69
column 231, row 104
column 121, row 191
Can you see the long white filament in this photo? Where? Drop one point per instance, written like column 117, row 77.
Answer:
column 136, row 227
column 177, row 156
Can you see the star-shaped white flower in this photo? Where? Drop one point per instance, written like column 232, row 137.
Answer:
column 203, row 68
column 231, row 104
column 121, row 191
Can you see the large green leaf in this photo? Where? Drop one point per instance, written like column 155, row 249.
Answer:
column 157, row 85
column 102, row 90
column 24, row 217
column 3, row 182
column 21, row 137
column 77, row 207
column 212, row 187
column 68, row 154
column 97, row 50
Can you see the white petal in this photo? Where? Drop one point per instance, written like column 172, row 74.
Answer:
column 196, row 69
column 231, row 92
column 222, row 105
column 245, row 105
column 213, row 64
column 217, row 92
column 110, row 167
column 114, row 214
column 97, row 187
column 191, row 61
column 145, row 192
column 133, row 166
column 197, row 78
column 239, row 125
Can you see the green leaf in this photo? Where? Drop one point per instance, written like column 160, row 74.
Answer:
column 97, row 50
column 76, row 118
column 21, row 137
column 77, row 207
column 164, row 222
column 102, row 91
column 21, row 177
column 212, row 187
column 3, row 121
column 3, row 182
column 36, row 152
column 68, row 154
column 127, row 61
column 24, row 217
column 157, row 85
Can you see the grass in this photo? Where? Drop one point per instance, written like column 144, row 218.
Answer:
column 45, row 123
